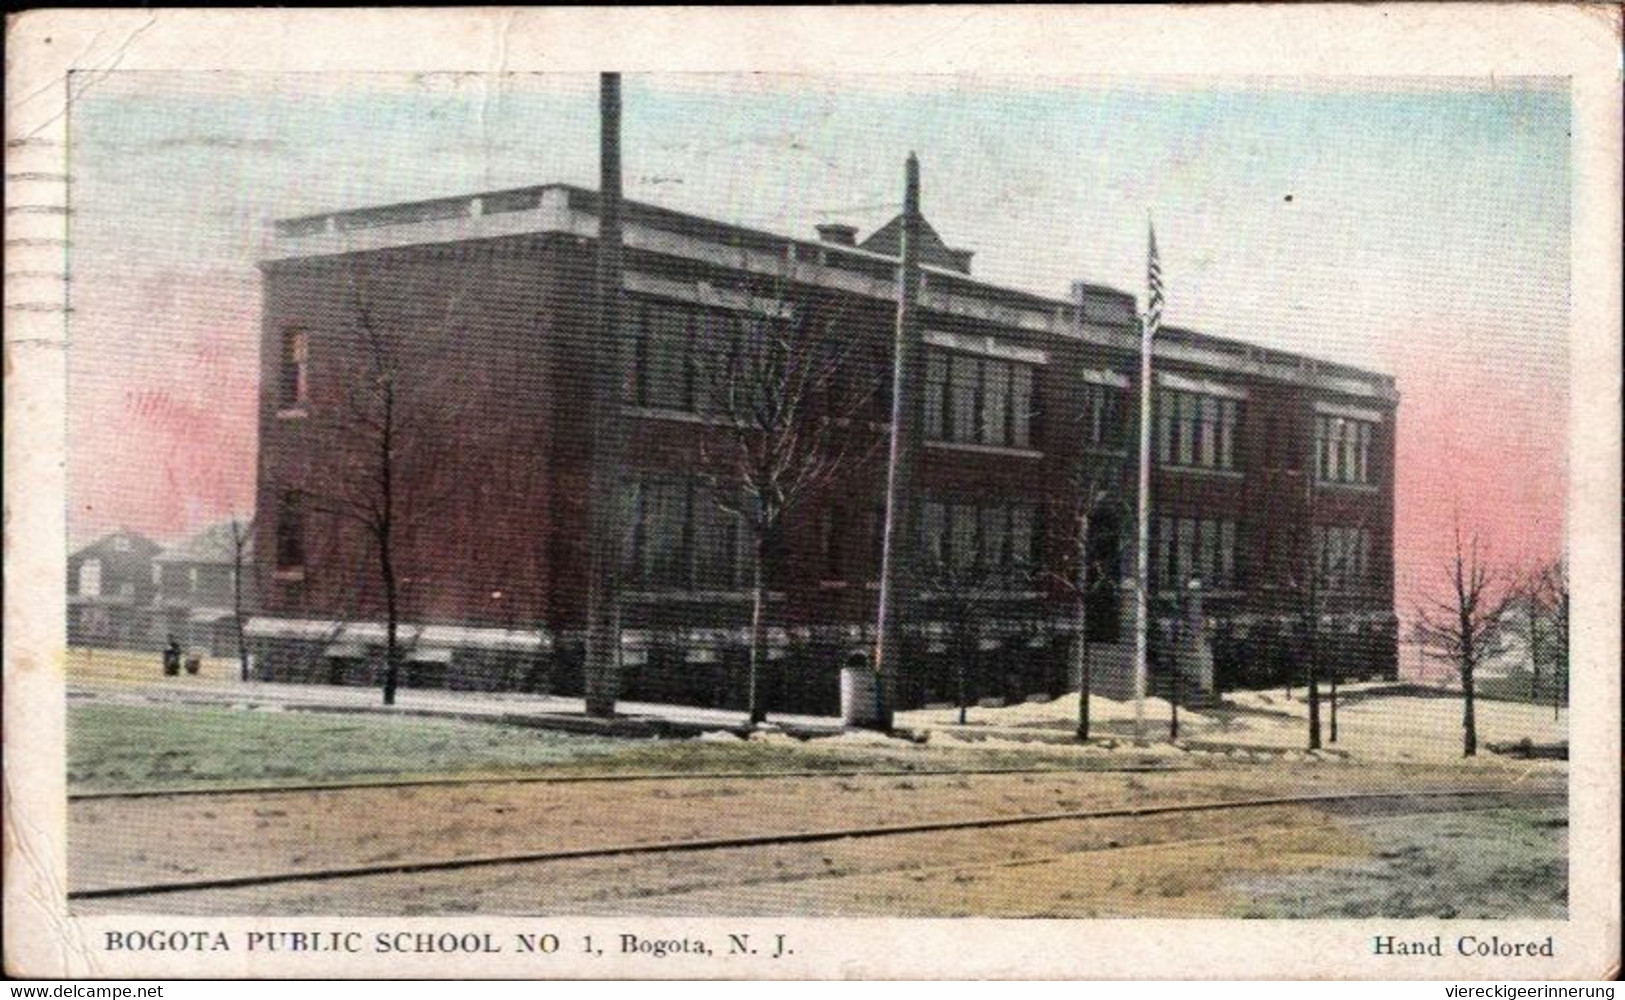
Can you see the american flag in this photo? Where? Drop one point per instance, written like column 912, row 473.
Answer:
column 1153, row 284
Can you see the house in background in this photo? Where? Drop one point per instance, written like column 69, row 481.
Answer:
column 197, row 589
column 111, row 585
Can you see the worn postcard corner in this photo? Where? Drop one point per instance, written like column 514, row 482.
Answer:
column 813, row 494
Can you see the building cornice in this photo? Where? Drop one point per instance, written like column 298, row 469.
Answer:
column 561, row 210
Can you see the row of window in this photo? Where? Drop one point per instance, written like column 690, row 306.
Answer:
column 90, row 580
column 1342, row 450
column 980, row 544
column 976, row 400
column 678, row 351
column 1196, row 430
column 1187, row 548
column 682, row 538
column 1342, row 555
column 968, row 399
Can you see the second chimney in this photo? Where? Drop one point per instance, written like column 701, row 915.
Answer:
column 839, row 233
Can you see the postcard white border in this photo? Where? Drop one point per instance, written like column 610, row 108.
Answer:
column 1184, row 46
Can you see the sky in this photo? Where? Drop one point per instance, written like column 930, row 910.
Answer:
column 1415, row 227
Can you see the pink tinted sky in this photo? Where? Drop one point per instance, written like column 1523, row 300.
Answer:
column 1426, row 235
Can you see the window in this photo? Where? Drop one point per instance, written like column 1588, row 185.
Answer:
column 1185, row 550
column 934, row 526
column 995, row 537
column 1023, row 536
column 290, row 532
column 665, row 520
column 975, row 400
column 1195, row 430
column 1229, row 414
column 1102, row 416
column 90, row 578
column 963, row 388
column 295, row 376
column 684, row 356
column 987, row 543
column 1201, row 548
column 1342, row 449
column 882, row 374
column 1342, row 555
column 665, row 377
column 936, row 396
column 995, row 402
column 683, row 539
column 720, row 544
column 1165, row 427
column 1022, row 407
column 717, row 343
column 962, row 537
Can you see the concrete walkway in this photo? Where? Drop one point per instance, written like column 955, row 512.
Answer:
column 540, row 711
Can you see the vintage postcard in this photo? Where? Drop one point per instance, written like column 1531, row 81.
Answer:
column 874, row 492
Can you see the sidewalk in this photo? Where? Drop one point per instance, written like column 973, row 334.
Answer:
column 632, row 719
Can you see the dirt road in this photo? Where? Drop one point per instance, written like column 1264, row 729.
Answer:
column 1044, row 868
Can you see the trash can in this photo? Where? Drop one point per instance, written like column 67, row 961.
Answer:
column 860, row 693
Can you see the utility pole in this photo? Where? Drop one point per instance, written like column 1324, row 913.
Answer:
column 603, row 662
column 895, row 563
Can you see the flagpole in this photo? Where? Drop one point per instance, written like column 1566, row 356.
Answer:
column 1142, row 611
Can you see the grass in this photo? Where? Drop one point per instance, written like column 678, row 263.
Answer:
column 125, row 747
column 1493, row 864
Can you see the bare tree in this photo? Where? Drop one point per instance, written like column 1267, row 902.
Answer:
column 389, row 430
column 242, row 532
column 1549, row 614
column 781, row 406
column 1091, row 491
column 966, row 573
column 1465, row 624
column 1319, row 572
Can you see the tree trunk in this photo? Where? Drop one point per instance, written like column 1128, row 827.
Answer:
column 392, row 652
column 1534, row 651
column 1081, row 665
column 1080, row 622
column 1469, row 725
column 1313, row 686
column 386, row 544
column 1334, row 707
column 758, row 632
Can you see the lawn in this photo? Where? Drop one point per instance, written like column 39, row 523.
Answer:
column 1485, row 865
column 114, row 747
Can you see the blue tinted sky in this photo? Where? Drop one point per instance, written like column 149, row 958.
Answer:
column 1417, row 228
